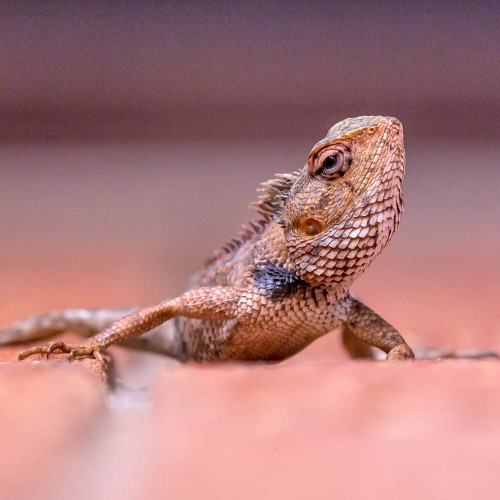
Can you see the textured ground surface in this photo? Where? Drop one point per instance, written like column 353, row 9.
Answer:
column 97, row 226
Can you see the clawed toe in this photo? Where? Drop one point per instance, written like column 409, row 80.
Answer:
column 400, row 352
column 74, row 351
column 47, row 349
column 85, row 351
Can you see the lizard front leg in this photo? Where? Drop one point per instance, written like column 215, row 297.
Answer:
column 211, row 303
column 368, row 327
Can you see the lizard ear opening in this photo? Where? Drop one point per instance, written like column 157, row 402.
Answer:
column 311, row 226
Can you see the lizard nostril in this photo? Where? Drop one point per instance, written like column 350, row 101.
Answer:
column 311, row 226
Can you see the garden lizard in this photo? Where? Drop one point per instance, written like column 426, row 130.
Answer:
column 285, row 280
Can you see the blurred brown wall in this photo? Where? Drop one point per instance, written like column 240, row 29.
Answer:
column 138, row 70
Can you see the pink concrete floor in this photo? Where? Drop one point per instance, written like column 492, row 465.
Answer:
column 119, row 225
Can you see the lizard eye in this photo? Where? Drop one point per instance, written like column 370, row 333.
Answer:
column 334, row 162
column 330, row 161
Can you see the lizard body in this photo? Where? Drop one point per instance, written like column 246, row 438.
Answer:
column 285, row 281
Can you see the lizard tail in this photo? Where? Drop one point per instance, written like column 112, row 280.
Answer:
column 360, row 350
column 85, row 322
column 88, row 322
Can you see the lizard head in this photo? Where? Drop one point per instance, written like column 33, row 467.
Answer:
column 346, row 203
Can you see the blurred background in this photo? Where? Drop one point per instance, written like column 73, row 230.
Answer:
column 132, row 138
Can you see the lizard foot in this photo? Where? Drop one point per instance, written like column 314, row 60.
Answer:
column 75, row 351
column 400, row 352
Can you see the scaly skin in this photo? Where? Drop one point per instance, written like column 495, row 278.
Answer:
column 285, row 282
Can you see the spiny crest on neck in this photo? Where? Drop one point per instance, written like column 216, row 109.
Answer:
column 273, row 195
